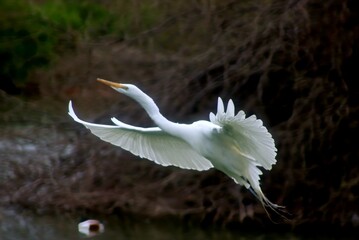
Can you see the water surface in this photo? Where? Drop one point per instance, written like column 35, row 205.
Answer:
column 23, row 225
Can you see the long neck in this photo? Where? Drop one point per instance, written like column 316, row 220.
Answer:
column 153, row 111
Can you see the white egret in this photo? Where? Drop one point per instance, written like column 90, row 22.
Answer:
column 229, row 142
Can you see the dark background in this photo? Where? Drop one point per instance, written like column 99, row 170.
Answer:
column 292, row 63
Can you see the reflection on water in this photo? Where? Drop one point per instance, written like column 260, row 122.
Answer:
column 21, row 226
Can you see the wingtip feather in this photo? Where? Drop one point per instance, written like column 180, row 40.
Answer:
column 220, row 106
column 71, row 111
column 74, row 116
column 230, row 108
column 212, row 117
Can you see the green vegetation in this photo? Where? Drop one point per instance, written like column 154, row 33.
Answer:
column 33, row 34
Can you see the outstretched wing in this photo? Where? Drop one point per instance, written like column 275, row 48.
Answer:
column 150, row 143
column 252, row 137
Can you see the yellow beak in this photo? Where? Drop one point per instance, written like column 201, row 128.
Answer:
column 111, row 84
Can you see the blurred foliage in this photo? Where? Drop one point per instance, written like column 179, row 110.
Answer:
column 33, row 34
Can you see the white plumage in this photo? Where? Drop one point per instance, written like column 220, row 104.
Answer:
column 229, row 142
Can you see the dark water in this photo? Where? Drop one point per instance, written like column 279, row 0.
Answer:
column 17, row 226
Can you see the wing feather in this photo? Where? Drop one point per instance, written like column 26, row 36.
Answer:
column 220, row 106
column 151, row 143
column 252, row 137
column 230, row 108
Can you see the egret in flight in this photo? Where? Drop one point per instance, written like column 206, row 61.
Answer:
column 229, row 142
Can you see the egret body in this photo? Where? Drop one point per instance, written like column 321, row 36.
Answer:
column 229, row 142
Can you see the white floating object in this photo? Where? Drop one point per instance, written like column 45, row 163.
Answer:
column 91, row 227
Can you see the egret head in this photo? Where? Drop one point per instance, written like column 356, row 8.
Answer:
column 135, row 93
column 127, row 89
